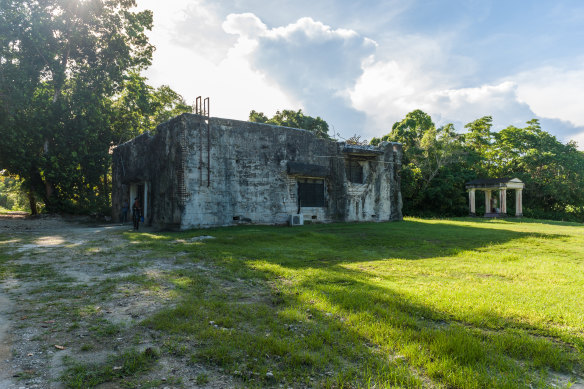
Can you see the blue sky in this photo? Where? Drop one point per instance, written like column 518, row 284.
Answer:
column 362, row 65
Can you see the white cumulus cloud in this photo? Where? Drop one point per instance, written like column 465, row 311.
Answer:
column 388, row 90
column 196, row 57
column 312, row 62
column 554, row 92
column 468, row 104
column 246, row 25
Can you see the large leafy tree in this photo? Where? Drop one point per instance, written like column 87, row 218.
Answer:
column 479, row 143
column 295, row 119
column 433, row 168
column 62, row 63
column 553, row 172
column 140, row 107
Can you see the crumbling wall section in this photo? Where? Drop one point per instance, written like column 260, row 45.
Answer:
column 378, row 197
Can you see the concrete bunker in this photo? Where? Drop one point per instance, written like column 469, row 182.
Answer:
column 203, row 172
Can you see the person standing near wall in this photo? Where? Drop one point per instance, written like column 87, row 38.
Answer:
column 136, row 213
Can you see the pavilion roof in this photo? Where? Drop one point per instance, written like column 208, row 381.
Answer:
column 495, row 183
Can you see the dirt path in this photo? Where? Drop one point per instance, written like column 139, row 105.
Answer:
column 6, row 372
column 38, row 246
column 75, row 293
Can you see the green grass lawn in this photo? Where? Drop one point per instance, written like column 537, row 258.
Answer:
column 462, row 303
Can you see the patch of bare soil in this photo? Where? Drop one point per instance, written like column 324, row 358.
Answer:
column 75, row 293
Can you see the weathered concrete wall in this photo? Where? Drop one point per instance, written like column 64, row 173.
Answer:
column 155, row 160
column 225, row 172
column 379, row 197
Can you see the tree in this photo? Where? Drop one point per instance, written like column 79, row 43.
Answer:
column 295, row 119
column 166, row 104
column 409, row 131
column 433, row 174
column 479, row 144
column 11, row 194
column 258, row 117
column 61, row 64
column 553, row 172
column 140, row 107
column 479, row 136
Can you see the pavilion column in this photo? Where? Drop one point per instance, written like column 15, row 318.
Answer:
column 518, row 202
column 471, row 202
column 503, row 200
column 488, row 201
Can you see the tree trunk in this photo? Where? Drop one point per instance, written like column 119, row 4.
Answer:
column 49, row 196
column 105, row 185
column 32, row 203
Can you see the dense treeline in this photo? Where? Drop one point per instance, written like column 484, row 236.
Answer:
column 70, row 90
column 294, row 119
column 439, row 161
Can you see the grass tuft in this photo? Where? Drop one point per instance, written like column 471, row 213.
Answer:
column 119, row 367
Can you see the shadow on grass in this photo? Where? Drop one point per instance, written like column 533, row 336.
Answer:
column 523, row 220
column 318, row 246
column 343, row 319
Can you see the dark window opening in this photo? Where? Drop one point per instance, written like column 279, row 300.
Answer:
column 311, row 193
column 354, row 171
